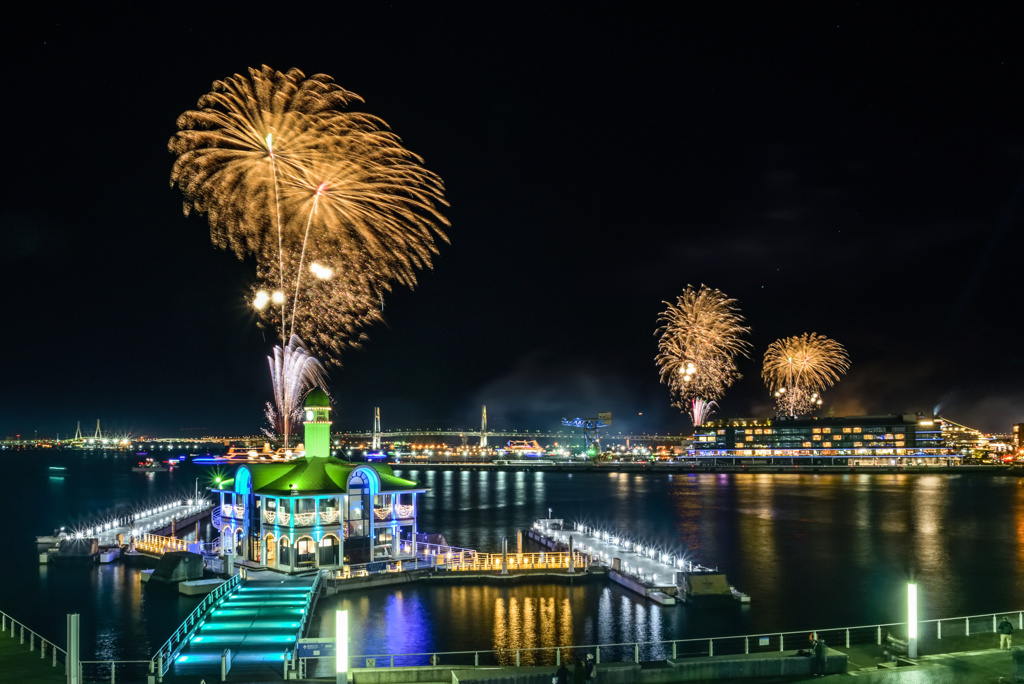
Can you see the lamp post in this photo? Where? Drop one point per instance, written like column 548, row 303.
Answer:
column 341, row 646
column 912, row 620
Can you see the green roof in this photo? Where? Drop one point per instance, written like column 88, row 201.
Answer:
column 325, row 475
column 317, row 399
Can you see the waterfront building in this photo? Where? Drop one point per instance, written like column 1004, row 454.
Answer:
column 318, row 511
column 867, row 439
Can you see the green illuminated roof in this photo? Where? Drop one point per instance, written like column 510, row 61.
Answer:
column 323, row 475
column 317, row 399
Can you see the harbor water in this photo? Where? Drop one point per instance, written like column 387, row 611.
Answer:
column 812, row 550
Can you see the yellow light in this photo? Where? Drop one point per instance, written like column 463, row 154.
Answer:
column 278, row 297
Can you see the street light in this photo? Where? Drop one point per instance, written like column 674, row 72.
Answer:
column 912, row 620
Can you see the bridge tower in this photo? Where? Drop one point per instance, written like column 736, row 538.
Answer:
column 483, row 428
column 99, row 433
column 376, row 429
column 78, row 431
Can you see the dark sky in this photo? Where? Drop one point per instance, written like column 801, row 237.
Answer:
column 851, row 170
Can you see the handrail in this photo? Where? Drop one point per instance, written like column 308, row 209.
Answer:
column 9, row 624
column 837, row 637
column 314, row 595
column 164, row 655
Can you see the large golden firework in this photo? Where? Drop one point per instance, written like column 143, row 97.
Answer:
column 798, row 369
column 285, row 172
column 701, row 335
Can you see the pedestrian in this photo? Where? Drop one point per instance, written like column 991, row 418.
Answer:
column 818, row 664
column 1005, row 634
column 561, row 675
column 590, row 671
column 579, row 675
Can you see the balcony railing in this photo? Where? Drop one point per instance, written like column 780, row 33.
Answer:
column 235, row 512
column 328, row 517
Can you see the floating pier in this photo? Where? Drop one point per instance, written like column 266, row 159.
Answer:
column 659, row 575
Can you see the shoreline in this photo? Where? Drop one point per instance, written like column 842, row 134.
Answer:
column 686, row 468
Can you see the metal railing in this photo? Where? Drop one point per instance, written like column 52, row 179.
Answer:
column 110, row 670
column 17, row 630
column 164, row 656
column 947, row 635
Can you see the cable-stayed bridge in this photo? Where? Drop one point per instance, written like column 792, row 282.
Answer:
column 483, row 434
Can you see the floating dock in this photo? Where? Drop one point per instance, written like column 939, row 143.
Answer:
column 658, row 575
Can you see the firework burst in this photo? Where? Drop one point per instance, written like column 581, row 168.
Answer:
column 294, row 373
column 798, row 369
column 701, row 335
column 701, row 410
column 286, row 172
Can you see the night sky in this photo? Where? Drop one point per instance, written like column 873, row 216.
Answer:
column 851, row 170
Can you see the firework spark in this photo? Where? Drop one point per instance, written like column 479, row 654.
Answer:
column 294, row 373
column 701, row 335
column 701, row 410
column 341, row 299
column 798, row 369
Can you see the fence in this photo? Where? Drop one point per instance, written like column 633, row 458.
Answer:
column 947, row 635
column 8, row 625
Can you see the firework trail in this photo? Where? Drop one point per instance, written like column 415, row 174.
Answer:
column 294, row 373
column 701, row 335
column 798, row 369
column 341, row 299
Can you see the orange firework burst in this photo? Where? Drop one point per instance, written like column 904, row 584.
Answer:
column 798, row 369
column 286, row 172
column 700, row 337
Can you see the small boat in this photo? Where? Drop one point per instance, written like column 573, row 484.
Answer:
column 148, row 465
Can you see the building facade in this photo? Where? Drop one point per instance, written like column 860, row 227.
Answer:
column 318, row 511
column 897, row 436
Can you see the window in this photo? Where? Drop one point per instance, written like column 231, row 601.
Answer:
column 826, row 430
column 816, row 431
column 807, row 444
column 847, row 431
column 856, row 430
column 826, row 444
column 816, row 438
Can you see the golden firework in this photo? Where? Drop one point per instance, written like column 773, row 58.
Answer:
column 284, row 171
column 798, row 369
column 701, row 335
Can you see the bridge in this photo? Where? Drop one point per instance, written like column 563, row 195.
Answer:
column 377, row 435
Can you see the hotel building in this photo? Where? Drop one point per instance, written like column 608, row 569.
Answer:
column 898, row 438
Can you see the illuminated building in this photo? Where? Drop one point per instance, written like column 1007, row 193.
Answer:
column 897, row 436
column 318, row 511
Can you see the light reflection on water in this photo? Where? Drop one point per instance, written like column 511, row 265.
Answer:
column 812, row 550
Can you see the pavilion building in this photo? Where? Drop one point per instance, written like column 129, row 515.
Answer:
column 317, row 511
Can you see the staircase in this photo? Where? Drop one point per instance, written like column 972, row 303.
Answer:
column 258, row 623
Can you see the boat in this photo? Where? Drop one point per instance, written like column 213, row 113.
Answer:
column 250, row 455
column 148, row 465
column 524, row 447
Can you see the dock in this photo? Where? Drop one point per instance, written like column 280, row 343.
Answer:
column 658, row 575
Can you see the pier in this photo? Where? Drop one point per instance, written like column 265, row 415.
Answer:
column 658, row 575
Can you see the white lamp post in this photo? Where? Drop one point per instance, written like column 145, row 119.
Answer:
column 912, row 620
column 341, row 646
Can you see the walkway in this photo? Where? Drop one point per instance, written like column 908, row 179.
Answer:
column 18, row 664
column 258, row 623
